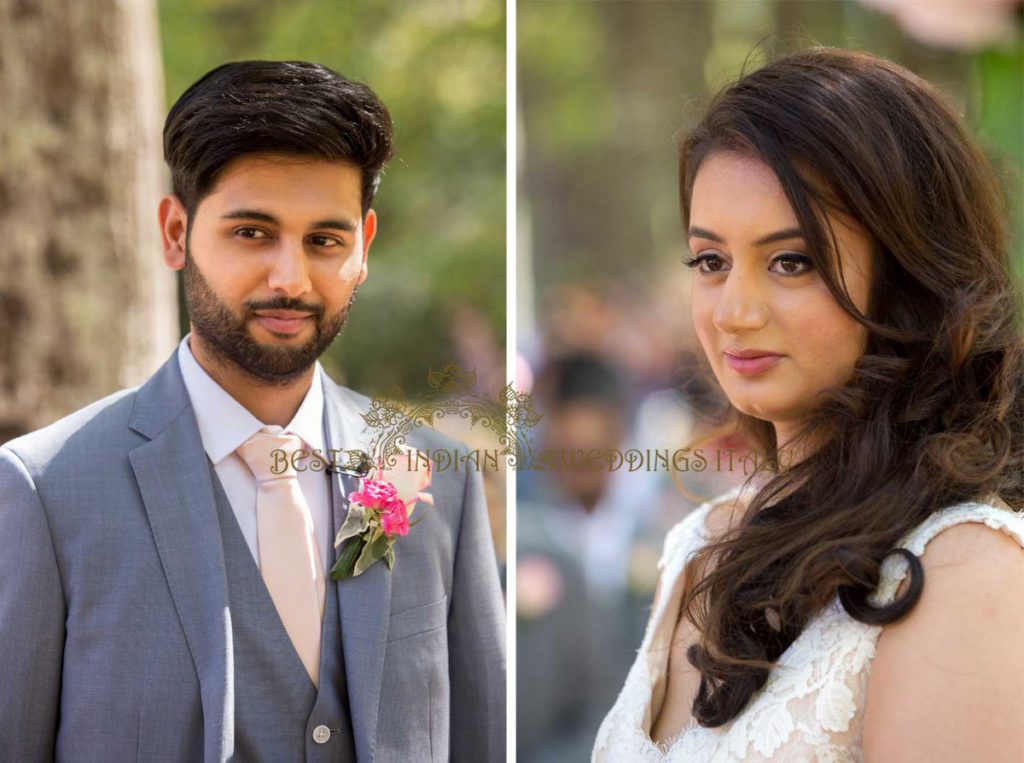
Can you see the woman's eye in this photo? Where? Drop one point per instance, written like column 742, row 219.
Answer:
column 707, row 263
column 792, row 264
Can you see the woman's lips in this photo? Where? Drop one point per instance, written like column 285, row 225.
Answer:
column 283, row 325
column 750, row 364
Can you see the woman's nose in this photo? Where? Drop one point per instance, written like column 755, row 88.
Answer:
column 742, row 304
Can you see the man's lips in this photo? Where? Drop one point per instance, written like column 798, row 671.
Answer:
column 751, row 362
column 283, row 321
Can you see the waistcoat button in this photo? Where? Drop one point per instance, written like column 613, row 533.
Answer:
column 321, row 734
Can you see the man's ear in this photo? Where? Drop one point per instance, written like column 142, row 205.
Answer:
column 173, row 228
column 369, row 231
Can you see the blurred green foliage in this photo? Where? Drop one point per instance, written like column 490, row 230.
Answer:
column 604, row 88
column 439, row 65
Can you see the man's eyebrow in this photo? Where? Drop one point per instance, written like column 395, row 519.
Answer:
column 253, row 214
column 780, row 235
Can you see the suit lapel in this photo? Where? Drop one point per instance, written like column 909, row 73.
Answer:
column 364, row 602
column 174, row 480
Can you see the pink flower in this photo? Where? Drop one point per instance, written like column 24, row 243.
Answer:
column 394, row 519
column 392, row 493
column 411, row 476
column 375, row 494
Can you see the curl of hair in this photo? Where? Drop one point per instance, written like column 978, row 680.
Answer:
column 933, row 413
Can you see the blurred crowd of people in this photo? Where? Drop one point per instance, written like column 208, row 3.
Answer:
column 611, row 373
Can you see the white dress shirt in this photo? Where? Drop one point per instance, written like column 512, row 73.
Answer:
column 225, row 424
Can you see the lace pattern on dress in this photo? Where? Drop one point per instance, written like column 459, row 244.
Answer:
column 811, row 707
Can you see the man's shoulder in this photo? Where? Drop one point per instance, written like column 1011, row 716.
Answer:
column 93, row 428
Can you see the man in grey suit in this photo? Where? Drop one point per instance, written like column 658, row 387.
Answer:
column 139, row 616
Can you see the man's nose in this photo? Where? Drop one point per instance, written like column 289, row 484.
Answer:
column 289, row 273
column 742, row 304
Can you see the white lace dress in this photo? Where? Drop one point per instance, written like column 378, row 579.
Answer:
column 811, row 707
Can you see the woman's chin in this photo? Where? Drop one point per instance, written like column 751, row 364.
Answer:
column 768, row 409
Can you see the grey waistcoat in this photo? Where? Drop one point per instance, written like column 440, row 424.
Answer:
column 279, row 714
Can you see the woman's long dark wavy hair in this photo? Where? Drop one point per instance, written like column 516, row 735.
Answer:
column 933, row 413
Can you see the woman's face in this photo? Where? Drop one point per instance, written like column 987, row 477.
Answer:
column 774, row 334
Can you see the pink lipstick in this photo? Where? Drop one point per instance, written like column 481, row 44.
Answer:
column 751, row 362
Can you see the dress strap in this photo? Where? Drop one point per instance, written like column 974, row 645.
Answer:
column 895, row 567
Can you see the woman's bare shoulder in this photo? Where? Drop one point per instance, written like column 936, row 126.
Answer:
column 947, row 680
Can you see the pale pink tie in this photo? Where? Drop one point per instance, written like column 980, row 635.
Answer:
column 289, row 561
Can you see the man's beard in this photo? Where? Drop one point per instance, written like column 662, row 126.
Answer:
column 228, row 336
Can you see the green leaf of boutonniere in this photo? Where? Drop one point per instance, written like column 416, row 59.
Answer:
column 378, row 546
column 356, row 523
column 345, row 566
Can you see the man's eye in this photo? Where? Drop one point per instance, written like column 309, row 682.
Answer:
column 252, row 233
column 792, row 264
column 324, row 241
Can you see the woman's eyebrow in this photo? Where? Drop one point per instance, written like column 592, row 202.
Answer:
column 780, row 235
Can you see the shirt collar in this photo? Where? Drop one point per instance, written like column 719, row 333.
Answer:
column 225, row 424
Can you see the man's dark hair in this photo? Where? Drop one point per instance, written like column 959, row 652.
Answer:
column 281, row 107
column 581, row 376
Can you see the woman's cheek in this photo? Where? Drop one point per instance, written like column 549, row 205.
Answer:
column 703, row 310
column 831, row 345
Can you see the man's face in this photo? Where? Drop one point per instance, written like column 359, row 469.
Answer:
column 575, row 429
column 272, row 261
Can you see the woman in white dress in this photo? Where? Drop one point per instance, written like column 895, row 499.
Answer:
column 853, row 294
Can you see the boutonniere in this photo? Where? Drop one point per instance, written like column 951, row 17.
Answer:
column 379, row 513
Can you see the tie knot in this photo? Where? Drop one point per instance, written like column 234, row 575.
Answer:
column 269, row 455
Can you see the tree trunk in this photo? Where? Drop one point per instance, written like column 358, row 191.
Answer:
column 86, row 305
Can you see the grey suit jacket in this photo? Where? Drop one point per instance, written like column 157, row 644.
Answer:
column 114, row 619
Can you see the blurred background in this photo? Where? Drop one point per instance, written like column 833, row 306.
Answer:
column 87, row 306
column 605, row 343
